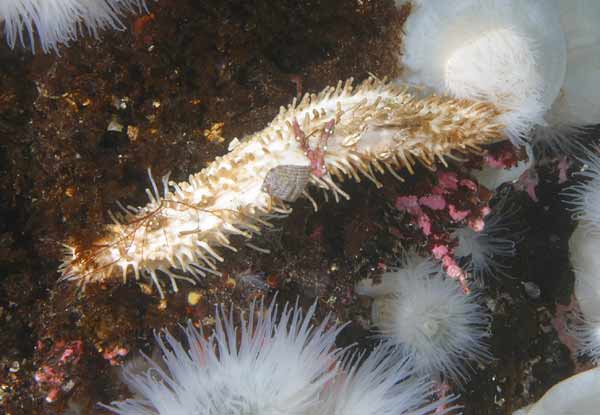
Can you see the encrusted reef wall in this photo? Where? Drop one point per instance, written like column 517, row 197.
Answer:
column 78, row 133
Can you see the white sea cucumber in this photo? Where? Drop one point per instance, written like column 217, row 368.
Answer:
column 342, row 132
column 59, row 22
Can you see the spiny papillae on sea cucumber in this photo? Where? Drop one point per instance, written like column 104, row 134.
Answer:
column 344, row 131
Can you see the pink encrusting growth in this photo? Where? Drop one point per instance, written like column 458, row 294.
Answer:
column 53, row 375
column 451, row 202
column 113, row 355
column 316, row 155
column 435, row 202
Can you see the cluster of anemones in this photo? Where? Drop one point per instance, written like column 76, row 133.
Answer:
column 275, row 363
column 530, row 66
column 427, row 305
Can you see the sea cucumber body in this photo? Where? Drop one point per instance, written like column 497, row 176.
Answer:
column 376, row 126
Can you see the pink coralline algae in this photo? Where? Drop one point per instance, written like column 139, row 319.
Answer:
column 115, row 354
column 470, row 184
column 437, row 208
column 566, row 316
column 315, row 155
column 439, row 251
column 447, row 182
column 528, row 182
column 504, row 156
column 435, row 202
column 451, row 197
column 477, row 224
column 457, row 215
column 408, row 203
column 563, row 169
column 53, row 375
column 424, row 223
column 453, row 269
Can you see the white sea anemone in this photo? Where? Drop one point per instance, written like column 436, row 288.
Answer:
column 492, row 177
column 383, row 384
column 578, row 104
column 575, row 395
column 510, row 52
column 429, row 318
column 482, row 250
column 585, row 196
column 539, row 59
column 280, row 366
column 274, row 365
column 584, row 246
column 57, row 22
column 588, row 336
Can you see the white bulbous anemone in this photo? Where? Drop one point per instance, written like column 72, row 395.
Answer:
column 584, row 246
column 575, row 395
column 540, row 59
column 429, row 318
column 59, row 22
column 274, row 364
column 509, row 52
column 218, row 376
column 578, row 104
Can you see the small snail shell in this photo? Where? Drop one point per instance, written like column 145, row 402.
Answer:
column 286, row 182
